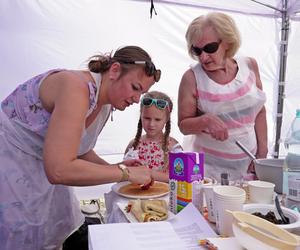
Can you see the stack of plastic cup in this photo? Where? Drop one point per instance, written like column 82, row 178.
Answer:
column 227, row 198
column 208, row 200
column 198, row 195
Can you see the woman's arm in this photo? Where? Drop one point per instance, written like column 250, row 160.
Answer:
column 91, row 156
column 160, row 176
column 261, row 134
column 128, row 146
column 260, row 126
column 189, row 121
column 70, row 105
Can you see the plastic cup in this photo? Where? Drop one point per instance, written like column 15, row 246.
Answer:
column 198, row 192
column 261, row 192
column 227, row 198
column 209, row 200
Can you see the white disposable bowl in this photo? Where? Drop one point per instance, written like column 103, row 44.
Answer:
column 249, row 242
column 255, row 233
column 261, row 191
column 270, row 170
column 265, row 208
column 229, row 192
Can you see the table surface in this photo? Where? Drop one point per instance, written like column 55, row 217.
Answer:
column 92, row 192
column 113, row 212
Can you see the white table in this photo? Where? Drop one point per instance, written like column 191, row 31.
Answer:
column 180, row 233
column 92, row 192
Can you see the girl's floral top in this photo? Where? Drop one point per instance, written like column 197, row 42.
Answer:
column 151, row 154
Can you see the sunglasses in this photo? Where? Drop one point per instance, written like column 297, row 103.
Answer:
column 208, row 48
column 159, row 103
column 150, row 69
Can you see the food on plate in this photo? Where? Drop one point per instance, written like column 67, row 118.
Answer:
column 156, row 207
column 270, row 216
column 147, row 186
column 135, row 190
column 148, row 210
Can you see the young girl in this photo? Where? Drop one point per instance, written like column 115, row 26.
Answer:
column 153, row 147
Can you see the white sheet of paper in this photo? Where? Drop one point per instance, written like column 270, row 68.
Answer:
column 134, row 236
column 181, row 233
column 230, row 243
column 191, row 226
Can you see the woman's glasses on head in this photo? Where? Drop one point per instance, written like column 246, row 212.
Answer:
column 208, row 48
column 159, row 103
column 150, row 69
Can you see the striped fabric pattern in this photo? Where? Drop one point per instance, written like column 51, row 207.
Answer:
column 237, row 104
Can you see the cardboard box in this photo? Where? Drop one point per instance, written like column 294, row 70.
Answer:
column 186, row 170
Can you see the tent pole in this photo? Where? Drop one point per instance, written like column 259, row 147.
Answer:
column 285, row 22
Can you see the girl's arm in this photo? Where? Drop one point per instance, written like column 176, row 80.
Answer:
column 174, row 145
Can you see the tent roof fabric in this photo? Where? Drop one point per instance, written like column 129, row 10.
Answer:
column 41, row 35
column 266, row 8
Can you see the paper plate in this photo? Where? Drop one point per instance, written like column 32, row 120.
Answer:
column 143, row 194
column 130, row 217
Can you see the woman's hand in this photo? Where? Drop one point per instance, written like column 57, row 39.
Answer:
column 251, row 168
column 259, row 155
column 140, row 175
column 215, row 127
column 131, row 162
column 148, row 185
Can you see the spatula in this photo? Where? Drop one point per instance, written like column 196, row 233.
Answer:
column 280, row 212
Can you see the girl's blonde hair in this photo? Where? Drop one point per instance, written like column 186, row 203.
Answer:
column 223, row 24
column 168, row 110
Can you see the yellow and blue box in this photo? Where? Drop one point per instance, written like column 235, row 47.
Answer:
column 186, row 170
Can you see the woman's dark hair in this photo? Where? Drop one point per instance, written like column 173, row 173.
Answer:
column 165, row 139
column 102, row 63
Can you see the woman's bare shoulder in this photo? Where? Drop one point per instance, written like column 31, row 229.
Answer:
column 188, row 77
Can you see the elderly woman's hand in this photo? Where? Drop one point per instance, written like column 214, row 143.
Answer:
column 215, row 127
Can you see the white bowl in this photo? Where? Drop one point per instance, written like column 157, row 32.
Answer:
column 265, row 208
column 261, row 191
column 255, row 233
column 270, row 170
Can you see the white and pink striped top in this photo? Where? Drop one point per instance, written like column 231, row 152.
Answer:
column 237, row 103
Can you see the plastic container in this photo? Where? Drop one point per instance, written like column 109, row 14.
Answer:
column 255, row 233
column 293, row 216
column 270, row 170
column 291, row 167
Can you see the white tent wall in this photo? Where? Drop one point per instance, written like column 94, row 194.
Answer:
column 39, row 35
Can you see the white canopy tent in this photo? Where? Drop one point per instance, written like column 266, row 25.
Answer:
column 39, row 35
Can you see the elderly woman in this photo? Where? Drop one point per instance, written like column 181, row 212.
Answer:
column 220, row 98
